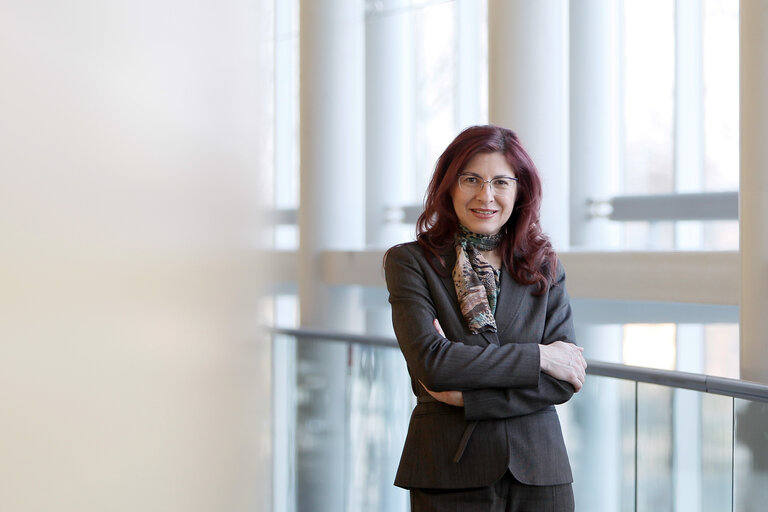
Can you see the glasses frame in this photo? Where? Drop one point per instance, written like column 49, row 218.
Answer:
column 483, row 182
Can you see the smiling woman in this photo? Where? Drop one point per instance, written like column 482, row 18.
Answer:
column 481, row 314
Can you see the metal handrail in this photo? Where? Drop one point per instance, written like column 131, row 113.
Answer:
column 735, row 388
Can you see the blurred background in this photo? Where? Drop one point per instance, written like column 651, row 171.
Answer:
column 129, row 187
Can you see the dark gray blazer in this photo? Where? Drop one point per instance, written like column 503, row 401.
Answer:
column 508, row 420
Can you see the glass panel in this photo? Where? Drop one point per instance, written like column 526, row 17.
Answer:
column 717, row 453
column 321, row 423
column 379, row 407
column 654, row 448
column 599, row 429
column 701, row 451
column 684, row 450
column 750, row 456
column 344, row 426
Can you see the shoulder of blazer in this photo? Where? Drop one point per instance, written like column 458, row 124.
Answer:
column 416, row 251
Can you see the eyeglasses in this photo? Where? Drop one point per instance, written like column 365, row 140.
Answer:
column 500, row 186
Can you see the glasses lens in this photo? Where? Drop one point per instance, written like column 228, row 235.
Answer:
column 470, row 182
column 502, row 184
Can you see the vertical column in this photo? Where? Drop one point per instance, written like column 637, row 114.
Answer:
column 595, row 128
column 594, row 156
column 753, row 223
column 689, row 113
column 330, row 217
column 468, row 75
column 388, row 110
column 528, row 92
column 689, row 177
column 384, row 392
column 753, row 199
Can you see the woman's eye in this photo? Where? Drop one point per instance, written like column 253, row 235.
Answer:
column 470, row 180
column 501, row 183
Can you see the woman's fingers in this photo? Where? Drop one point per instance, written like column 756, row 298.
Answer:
column 564, row 361
column 436, row 323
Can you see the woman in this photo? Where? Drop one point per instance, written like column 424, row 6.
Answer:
column 483, row 319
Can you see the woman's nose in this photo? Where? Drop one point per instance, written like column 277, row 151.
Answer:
column 486, row 192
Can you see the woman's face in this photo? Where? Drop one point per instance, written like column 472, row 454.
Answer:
column 485, row 209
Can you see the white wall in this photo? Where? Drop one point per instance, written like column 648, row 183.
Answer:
column 131, row 375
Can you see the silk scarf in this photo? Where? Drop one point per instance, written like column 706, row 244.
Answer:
column 475, row 280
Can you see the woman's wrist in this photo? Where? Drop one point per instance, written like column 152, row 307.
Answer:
column 543, row 359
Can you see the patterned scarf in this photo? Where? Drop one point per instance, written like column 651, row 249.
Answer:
column 476, row 281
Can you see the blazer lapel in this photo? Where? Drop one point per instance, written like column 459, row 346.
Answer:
column 510, row 297
column 450, row 261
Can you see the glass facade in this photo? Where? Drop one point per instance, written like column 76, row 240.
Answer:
column 673, row 83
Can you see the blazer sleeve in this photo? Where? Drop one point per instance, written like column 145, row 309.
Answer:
column 439, row 363
column 491, row 403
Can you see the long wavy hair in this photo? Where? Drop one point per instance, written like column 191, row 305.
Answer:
column 525, row 249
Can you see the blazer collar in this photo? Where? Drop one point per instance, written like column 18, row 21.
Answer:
column 507, row 306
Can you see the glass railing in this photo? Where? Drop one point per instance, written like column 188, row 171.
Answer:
column 639, row 439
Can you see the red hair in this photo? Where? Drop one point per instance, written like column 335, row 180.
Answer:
column 525, row 249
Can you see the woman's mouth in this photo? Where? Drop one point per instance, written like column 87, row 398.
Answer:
column 482, row 213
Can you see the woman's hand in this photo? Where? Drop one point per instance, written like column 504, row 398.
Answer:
column 455, row 398
column 564, row 361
